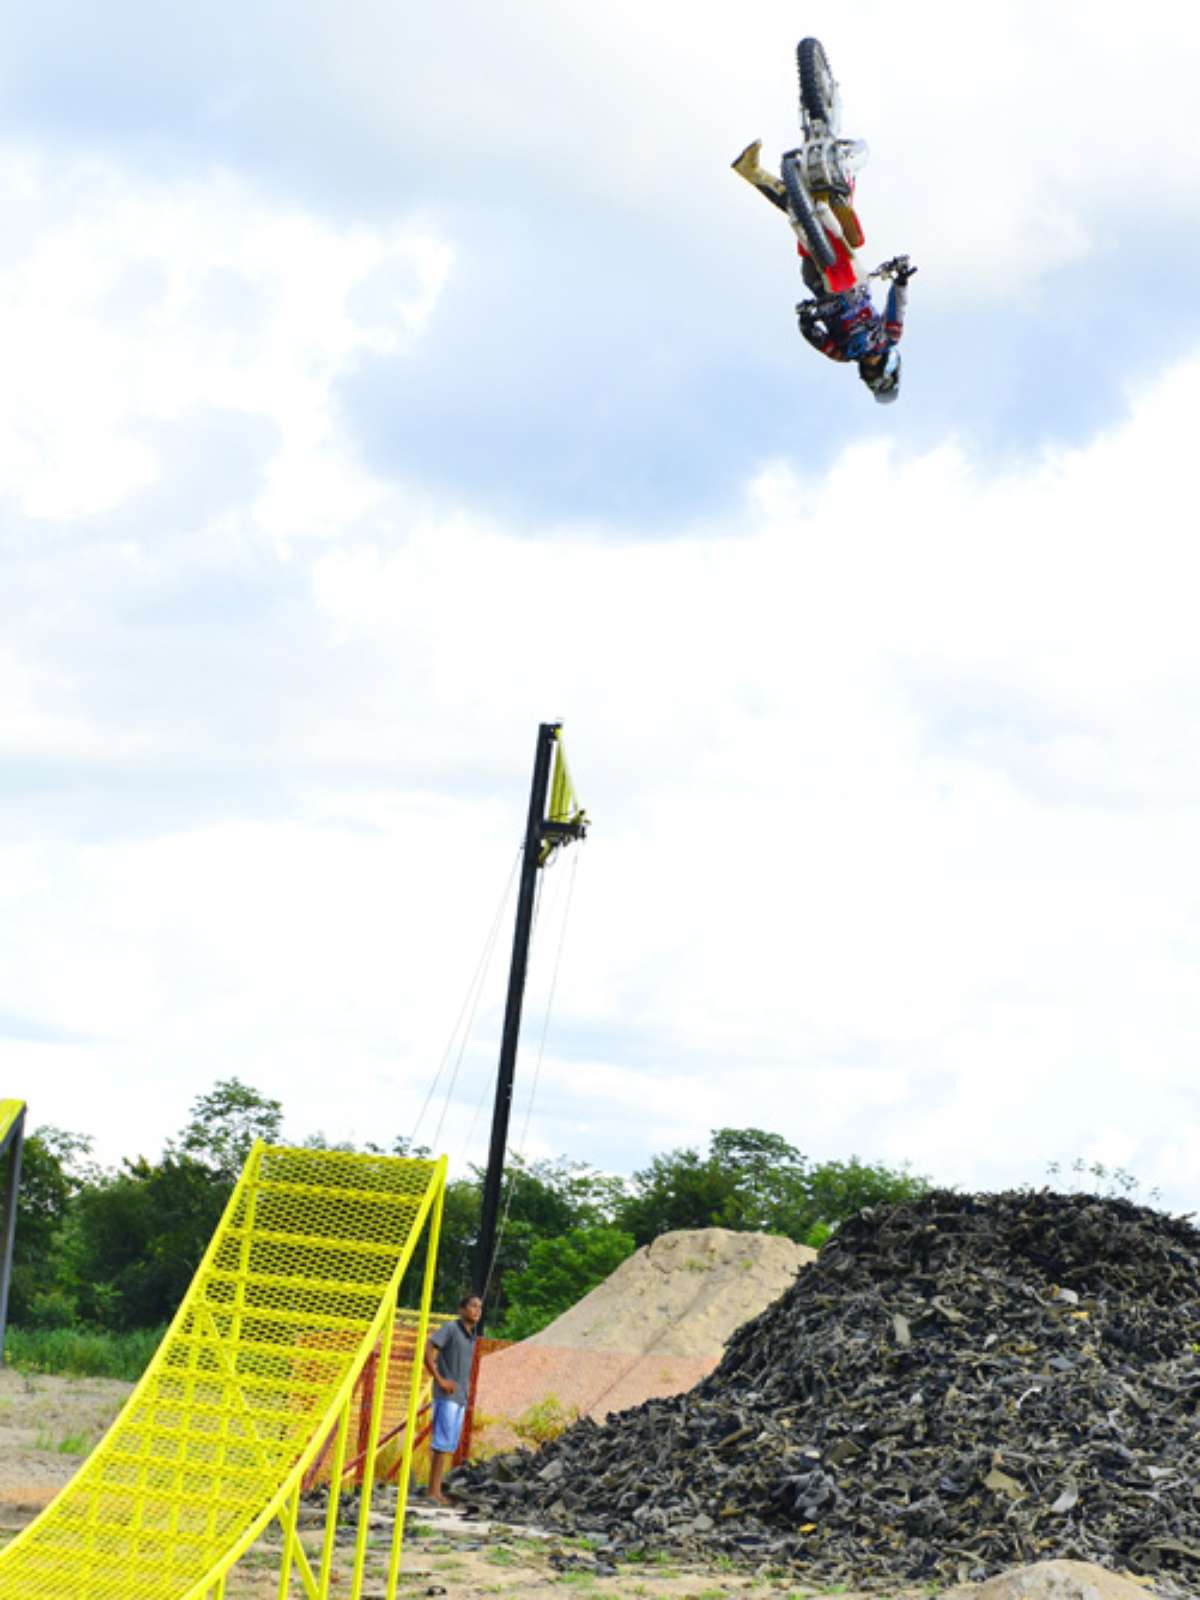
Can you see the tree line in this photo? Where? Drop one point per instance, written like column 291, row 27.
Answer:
column 115, row 1249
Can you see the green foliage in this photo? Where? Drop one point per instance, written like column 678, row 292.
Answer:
column 87, row 1353
column 55, row 1166
column 137, row 1237
column 542, row 1200
column 543, row 1421
column 755, row 1181
column 838, row 1189
column 225, row 1124
column 561, row 1271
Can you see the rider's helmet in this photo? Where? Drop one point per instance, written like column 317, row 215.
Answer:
column 884, row 384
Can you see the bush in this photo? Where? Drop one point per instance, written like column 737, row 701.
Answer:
column 560, row 1272
column 53, row 1309
column 83, row 1352
column 544, row 1420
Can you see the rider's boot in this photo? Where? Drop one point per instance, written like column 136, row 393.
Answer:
column 851, row 155
column 831, row 221
column 747, row 166
column 842, row 207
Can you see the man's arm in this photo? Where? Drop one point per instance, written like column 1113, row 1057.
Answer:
column 897, row 304
column 432, row 1350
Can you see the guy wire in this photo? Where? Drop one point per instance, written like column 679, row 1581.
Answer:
column 470, row 1004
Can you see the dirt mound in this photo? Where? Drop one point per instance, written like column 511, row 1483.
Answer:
column 655, row 1327
column 683, row 1295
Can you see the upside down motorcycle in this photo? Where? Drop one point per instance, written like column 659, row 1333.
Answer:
column 818, row 178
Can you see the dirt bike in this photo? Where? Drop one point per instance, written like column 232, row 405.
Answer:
column 819, row 176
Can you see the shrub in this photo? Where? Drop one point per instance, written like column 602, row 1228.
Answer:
column 84, row 1352
column 544, row 1420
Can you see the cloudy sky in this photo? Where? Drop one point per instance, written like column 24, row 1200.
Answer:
column 383, row 380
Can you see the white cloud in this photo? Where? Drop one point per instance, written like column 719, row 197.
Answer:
column 125, row 303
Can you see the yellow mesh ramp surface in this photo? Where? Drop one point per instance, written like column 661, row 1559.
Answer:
column 393, row 1417
column 296, row 1291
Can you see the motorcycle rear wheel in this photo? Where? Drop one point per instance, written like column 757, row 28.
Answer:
column 818, row 89
column 802, row 209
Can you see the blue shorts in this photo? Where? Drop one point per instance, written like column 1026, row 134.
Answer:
column 447, row 1424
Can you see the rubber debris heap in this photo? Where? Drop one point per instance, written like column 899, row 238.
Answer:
column 955, row 1387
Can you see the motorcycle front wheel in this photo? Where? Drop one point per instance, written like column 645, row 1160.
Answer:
column 818, row 89
column 802, row 209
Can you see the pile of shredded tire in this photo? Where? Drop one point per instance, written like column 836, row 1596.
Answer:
column 955, row 1387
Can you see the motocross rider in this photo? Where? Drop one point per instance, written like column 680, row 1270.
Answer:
column 845, row 326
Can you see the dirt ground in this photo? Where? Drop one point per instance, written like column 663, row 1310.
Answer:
column 47, row 1427
column 49, row 1424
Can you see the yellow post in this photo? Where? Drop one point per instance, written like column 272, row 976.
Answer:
column 368, row 1476
column 333, row 1510
column 287, row 1560
column 414, row 1391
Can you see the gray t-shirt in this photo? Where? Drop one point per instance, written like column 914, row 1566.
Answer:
column 455, row 1347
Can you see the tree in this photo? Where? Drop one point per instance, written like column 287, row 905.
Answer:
column 769, row 1181
column 225, row 1124
column 838, row 1189
column 560, row 1272
column 137, row 1237
column 54, row 1167
column 682, row 1189
column 754, row 1181
column 542, row 1200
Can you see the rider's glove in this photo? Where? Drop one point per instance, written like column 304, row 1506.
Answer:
column 904, row 273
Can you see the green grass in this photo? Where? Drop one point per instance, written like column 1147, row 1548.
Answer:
column 82, row 1352
column 71, row 1444
column 502, row 1556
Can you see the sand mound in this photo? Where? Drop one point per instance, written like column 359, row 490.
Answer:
column 654, row 1328
column 682, row 1295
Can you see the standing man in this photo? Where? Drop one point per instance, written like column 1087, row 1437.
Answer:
column 448, row 1357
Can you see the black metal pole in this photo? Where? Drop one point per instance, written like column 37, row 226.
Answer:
column 8, row 1220
column 493, row 1181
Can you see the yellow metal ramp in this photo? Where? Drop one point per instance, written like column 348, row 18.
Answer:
column 297, row 1290
column 10, row 1110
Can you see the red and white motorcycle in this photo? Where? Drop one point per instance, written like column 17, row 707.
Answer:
column 818, row 178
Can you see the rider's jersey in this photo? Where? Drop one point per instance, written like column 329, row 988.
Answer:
column 847, row 327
